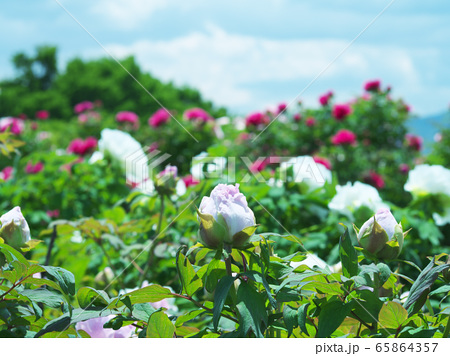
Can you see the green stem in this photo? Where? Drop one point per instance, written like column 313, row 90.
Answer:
column 228, row 249
column 447, row 328
column 152, row 243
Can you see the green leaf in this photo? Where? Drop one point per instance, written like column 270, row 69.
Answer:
column 189, row 316
column 159, row 326
column 302, row 316
column 88, row 296
column 52, row 299
column 149, row 294
column 65, row 320
column 143, row 311
column 421, row 287
column 252, row 310
column 384, row 273
column 65, row 278
column 392, row 315
column 214, row 273
column 13, row 255
column 367, row 305
column 220, row 296
column 347, row 255
column 290, row 238
column 442, row 289
column 331, row 316
column 190, row 281
column 290, row 318
column 259, row 278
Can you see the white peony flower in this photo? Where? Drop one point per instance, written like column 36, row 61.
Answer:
column 350, row 197
column 122, row 147
column 425, row 179
column 306, row 170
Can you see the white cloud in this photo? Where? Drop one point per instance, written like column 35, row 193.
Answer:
column 223, row 65
column 128, row 14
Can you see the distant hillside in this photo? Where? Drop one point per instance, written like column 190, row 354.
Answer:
column 427, row 127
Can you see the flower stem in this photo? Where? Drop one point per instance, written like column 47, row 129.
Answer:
column 152, row 243
column 447, row 328
column 228, row 249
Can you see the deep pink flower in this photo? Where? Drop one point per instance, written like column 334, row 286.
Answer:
column 83, row 106
column 344, row 137
column 372, row 85
column 16, row 126
column 281, row 107
column 197, row 114
column 341, row 111
column 258, row 165
column 161, row 116
column 403, row 168
column 256, row 119
column 34, row 168
column 53, row 213
column 190, row 181
column 6, row 173
column 414, row 142
column 374, row 179
column 82, row 147
column 323, row 161
column 127, row 116
column 22, row 116
column 42, row 115
column 310, row 121
column 325, row 98
column 297, row 117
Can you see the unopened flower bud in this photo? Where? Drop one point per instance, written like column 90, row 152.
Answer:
column 14, row 228
column 381, row 236
column 225, row 217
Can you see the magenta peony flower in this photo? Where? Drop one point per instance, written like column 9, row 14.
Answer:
column 34, row 168
column 344, row 137
column 414, row 142
column 83, row 106
column 323, row 161
column 297, row 117
column 160, row 117
column 127, row 116
column 53, row 213
column 6, row 173
column 42, row 115
column 325, row 98
column 281, row 107
column 258, row 165
column 341, row 111
column 82, row 147
column 190, row 181
column 372, row 85
column 16, row 126
column 310, row 121
column 94, row 327
column 256, row 119
column 374, row 179
column 197, row 114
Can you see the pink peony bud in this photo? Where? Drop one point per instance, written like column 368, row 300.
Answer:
column 197, row 114
column 310, row 122
column 6, row 173
column 83, row 106
column 414, row 142
column 325, row 98
column 190, row 181
column 34, row 168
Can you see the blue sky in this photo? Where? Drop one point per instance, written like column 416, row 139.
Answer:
column 248, row 55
